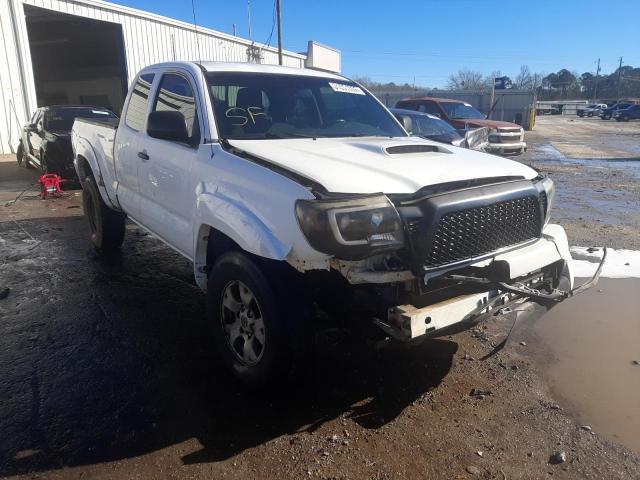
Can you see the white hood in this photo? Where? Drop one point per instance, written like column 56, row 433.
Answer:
column 362, row 165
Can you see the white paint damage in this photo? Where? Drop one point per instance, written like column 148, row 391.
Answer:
column 618, row 264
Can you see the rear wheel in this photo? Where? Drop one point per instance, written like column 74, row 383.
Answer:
column 625, row 118
column 606, row 117
column 590, row 114
column 248, row 318
column 106, row 226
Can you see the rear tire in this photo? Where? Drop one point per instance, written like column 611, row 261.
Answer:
column 625, row 118
column 106, row 226
column 249, row 320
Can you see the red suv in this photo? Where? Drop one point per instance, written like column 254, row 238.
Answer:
column 504, row 137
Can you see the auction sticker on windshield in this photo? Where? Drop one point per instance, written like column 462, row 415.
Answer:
column 341, row 87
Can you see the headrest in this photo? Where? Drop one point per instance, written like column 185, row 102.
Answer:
column 249, row 97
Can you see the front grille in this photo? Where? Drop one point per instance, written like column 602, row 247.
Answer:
column 509, row 130
column 474, row 232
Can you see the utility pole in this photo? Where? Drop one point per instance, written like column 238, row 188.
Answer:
column 279, row 13
column 595, row 92
column 249, row 19
column 234, row 29
column 619, row 78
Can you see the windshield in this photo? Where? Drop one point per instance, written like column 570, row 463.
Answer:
column 424, row 125
column 263, row 105
column 460, row 110
column 61, row 119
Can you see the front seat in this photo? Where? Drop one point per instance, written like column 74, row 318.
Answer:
column 250, row 100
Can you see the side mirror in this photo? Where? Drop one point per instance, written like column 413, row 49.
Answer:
column 406, row 123
column 168, row 125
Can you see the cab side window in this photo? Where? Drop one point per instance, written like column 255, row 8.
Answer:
column 137, row 108
column 175, row 93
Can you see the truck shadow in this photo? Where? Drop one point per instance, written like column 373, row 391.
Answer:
column 107, row 360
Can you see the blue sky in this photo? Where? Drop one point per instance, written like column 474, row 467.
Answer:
column 429, row 39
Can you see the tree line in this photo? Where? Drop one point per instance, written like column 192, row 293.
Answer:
column 564, row 84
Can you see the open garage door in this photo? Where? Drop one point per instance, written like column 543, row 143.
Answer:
column 76, row 61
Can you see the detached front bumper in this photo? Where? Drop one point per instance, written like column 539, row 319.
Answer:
column 507, row 148
column 524, row 269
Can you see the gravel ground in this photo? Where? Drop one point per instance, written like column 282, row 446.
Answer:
column 106, row 370
column 596, row 167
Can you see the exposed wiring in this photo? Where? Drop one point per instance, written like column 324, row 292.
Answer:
column 30, row 187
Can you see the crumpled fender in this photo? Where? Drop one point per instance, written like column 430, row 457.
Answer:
column 82, row 148
column 231, row 217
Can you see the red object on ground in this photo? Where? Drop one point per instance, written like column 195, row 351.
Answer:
column 50, row 185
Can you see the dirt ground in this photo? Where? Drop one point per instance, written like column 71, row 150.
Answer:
column 107, row 372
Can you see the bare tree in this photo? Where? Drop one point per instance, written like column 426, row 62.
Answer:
column 466, row 80
column 525, row 80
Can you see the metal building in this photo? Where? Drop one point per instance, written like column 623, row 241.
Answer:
column 88, row 51
column 509, row 105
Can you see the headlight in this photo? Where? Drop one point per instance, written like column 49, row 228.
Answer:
column 548, row 189
column 493, row 136
column 351, row 228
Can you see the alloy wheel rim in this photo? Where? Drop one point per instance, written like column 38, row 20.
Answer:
column 242, row 323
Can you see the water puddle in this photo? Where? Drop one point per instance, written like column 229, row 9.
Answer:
column 594, row 339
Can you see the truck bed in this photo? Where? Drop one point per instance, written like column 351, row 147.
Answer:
column 93, row 140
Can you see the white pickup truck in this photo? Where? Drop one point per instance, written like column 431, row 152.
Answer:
column 300, row 199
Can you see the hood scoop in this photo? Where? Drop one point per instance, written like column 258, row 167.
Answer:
column 419, row 148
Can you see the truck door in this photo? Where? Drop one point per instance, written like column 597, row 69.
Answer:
column 126, row 153
column 167, row 195
column 26, row 132
column 36, row 135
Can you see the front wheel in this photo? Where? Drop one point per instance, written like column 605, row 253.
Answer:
column 589, row 114
column 20, row 155
column 248, row 320
column 625, row 118
column 106, row 226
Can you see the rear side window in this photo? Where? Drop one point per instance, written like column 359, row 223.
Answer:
column 429, row 107
column 137, row 108
column 175, row 93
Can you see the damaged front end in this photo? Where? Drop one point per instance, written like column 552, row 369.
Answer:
column 467, row 250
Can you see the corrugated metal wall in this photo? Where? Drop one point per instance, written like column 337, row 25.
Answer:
column 148, row 39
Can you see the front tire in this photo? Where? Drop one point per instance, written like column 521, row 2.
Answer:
column 20, row 155
column 248, row 321
column 106, row 226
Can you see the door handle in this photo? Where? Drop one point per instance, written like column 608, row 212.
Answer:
column 143, row 155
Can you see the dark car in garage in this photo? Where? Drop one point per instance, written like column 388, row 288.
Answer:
column 45, row 141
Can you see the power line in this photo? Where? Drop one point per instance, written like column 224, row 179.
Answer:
column 267, row 42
